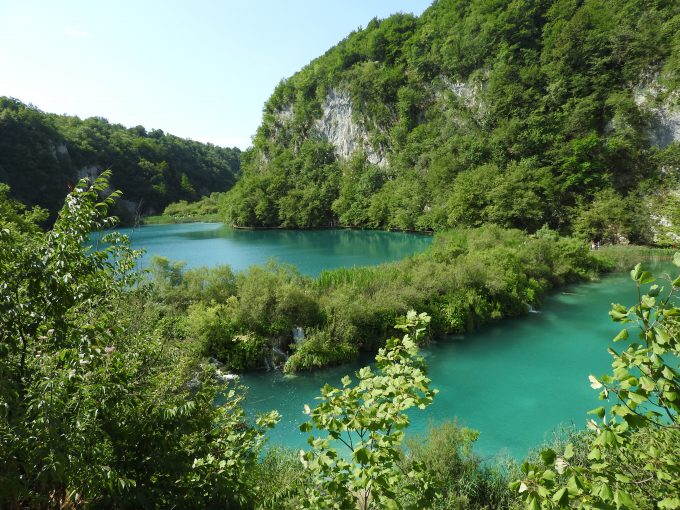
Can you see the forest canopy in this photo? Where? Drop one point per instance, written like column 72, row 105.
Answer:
column 43, row 155
column 520, row 113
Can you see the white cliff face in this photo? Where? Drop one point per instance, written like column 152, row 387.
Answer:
column 285, row 115
column 466, row 92
column 665, row 111
column 337, row 126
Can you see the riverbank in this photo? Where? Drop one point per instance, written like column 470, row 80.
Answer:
column 546, row 354
column 165, row 219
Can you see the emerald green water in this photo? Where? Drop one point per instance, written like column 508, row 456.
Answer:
column 514, row 380
column 311, row 251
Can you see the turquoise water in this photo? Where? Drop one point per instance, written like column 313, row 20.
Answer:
column 514, row 380
column 210, row 244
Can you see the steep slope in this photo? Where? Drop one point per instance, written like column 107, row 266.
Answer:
column 519, row 113
column 43, row 155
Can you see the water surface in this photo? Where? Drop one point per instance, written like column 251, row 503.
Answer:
column 311, row 251
column 514, row 380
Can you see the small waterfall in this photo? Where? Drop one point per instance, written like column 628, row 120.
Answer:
column 266, row 363
column 530, row 309
column 280, row 353
column 298, row 334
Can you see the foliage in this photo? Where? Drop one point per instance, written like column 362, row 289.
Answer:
column 369, row 419
column 151, row 168
column 216, row 328
column 611, row 218
column 460, row 478
column 318, row 350
column 96, row 409
column 468, row 277
column 633, row 459
column 518, row 113
column 205, row 209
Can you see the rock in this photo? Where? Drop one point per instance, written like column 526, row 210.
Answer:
column 337, row 126
column 663, row 107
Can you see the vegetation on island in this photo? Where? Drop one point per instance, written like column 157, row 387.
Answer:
column 520, row 114
column 466, row 278
column 42, row 156
column 205, row 209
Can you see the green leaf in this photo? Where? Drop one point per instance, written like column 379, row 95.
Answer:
column 361, row 455
column 623, row 335
column 561, row 497
column 594, row 383
column 647, row 302
column 645, row 278
column 548, row 456
column 569, row 451
column 622, row 498
column 676, row 259
column 598, row 411
column 672, row 503
column 636, row 272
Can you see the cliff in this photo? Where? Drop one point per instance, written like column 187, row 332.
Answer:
column 519, row 114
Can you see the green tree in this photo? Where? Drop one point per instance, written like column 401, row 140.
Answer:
column 96, row 406
column 633, row 460
column 368, row 420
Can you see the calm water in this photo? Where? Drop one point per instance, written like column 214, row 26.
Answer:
column 210, row 244
column 515, row 380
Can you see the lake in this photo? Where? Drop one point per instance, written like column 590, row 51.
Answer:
column 311, row 251
column 515, row 380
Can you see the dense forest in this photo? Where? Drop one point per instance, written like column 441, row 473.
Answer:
column 521, row 114
column 43, row 155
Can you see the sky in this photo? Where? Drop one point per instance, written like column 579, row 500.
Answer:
column 199, row 69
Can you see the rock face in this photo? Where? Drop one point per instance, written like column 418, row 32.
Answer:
column 665, row 112
column 337, row 125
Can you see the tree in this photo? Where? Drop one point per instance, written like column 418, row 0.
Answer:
column 368, row 419
column 95, row 406
column 633, row 460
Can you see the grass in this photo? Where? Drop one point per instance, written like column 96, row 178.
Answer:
column 165, row 219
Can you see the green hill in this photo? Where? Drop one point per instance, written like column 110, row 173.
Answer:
column 519, row 113
column 43, row 155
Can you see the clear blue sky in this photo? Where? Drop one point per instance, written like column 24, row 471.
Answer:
column 199, row 69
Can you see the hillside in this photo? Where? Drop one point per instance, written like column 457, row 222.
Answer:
column 43, row 155
column 519, row 113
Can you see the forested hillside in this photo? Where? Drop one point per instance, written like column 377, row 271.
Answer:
column 519, row 113
column 43, row 155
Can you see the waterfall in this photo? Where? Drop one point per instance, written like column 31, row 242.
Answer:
column 530, row 308
column 280, row 353
column 298, row 334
